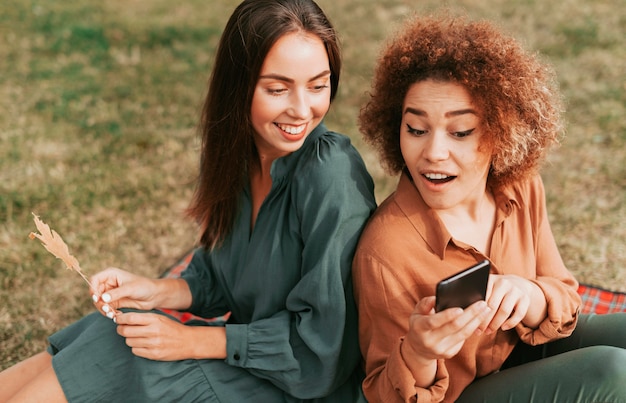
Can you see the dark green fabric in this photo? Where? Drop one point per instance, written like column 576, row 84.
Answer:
column 588, row 366
column 94, row 364
column 292, row 334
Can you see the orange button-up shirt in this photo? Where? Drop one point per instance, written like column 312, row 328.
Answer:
column 406, row 249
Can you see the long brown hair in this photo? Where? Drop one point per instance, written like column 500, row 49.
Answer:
column 225, row 126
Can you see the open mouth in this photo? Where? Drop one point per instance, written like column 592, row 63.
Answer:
column 438, row 178
column 292, row 130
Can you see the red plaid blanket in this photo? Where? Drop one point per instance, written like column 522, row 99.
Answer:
column 598, row 300
column 594, row 299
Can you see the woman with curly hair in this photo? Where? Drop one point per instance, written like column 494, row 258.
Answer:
column 465, row 115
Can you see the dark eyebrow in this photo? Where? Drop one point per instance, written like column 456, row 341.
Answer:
column 290, row 80
column 419, row 112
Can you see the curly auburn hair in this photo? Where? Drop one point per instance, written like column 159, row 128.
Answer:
column 515, row 92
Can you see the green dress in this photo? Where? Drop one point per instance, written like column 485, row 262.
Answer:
column 292, row 332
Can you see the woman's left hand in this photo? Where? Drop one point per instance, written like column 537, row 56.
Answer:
column 509, row 298
column 156, row 337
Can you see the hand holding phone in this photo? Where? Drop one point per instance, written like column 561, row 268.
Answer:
column 464, row 288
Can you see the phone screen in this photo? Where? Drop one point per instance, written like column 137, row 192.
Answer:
column 463, row 288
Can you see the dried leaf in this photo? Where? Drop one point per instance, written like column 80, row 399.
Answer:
column 54, row 244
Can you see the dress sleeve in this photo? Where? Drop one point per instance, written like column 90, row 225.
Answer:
column 557, row 283
column 311, row 347
column 385, row 302
column 207, row 299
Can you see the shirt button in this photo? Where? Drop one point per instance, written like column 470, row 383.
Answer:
column 236, row 357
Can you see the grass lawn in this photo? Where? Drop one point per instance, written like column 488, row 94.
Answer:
column 99, row 102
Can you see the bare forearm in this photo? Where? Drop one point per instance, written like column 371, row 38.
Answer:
column 538, row 309
column 424, row 370
column 173, row 293
column 207, row 342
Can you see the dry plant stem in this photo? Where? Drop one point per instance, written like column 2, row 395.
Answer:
column 54, row 244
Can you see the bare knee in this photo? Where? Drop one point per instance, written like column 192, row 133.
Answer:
column 14, row 378
column 45, row 387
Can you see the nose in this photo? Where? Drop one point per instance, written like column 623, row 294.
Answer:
column 300, row 105
column 437, row 147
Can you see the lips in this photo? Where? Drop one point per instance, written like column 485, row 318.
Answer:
column 438, row 178
column 292, row 130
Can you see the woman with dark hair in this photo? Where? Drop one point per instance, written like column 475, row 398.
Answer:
column 281, row 202
column 228, row 144
column 465, row 116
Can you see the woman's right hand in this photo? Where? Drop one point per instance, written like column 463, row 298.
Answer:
column 440, row 335
column 115, row 288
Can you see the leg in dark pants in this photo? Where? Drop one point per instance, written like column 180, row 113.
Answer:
column 588, row 366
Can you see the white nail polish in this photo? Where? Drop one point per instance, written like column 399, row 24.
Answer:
column 95, row 298
column 106, row 297
column 110, row 315
column 106, row 308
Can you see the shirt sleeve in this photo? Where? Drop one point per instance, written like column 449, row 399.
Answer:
column 557, row 283
column 311, row 347
column 385, row 302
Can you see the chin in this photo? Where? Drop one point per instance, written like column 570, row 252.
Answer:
column 437, row 203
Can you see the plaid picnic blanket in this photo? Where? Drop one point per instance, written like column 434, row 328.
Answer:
column 598, row 300
column 594, row 299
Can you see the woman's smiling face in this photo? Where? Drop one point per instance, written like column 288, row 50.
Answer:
column 440, row 139
column 292, row 94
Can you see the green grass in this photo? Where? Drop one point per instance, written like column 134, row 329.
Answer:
column 99, row 102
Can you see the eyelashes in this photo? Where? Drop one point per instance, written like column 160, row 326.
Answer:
column 463, row 133
column 414, row 131
column 418, row 133
column 282, row 91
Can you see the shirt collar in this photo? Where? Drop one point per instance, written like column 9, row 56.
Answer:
column 426, row 221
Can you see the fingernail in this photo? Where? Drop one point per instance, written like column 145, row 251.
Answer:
column 110, row 315
column 106, row 308
column 114, row 320
column 94, row 297
column 106, row 297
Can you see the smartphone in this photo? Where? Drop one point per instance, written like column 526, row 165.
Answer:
column 463, row 288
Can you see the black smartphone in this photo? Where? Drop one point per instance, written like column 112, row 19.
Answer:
column 463, row 288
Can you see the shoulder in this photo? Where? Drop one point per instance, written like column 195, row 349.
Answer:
column 532, row 185
column 330, row 159
column 387, row 234
column 526, row 193
column 330, row 150
column 525, row 199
